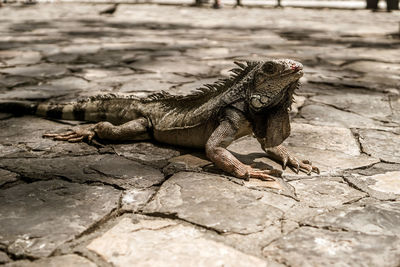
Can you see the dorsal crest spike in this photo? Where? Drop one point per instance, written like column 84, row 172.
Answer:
column 240, row 64
column 252, row 63
column 207, row 91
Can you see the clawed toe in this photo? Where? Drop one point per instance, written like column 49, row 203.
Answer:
column 76, row 139
column 281, row 154
column 308, row 168
column 267, row 175
column 71, row 136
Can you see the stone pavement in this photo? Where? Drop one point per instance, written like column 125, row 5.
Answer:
column 147, row 204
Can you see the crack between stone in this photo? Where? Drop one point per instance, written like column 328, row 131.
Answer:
column 17, row 257
column 98, row 258
column 329, row 228
column 356, row 136
column 349, row 111
column 45, row 156
column 142, row 161
column 27, row 179
column 354, row 186
column 174, row 216
column 388, row 162
column 273, row 240
column 96, row 225
column 357, row 199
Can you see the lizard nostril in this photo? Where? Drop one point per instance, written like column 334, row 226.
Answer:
column 296, row 67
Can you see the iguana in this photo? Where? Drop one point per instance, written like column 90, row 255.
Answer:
column 255, row 99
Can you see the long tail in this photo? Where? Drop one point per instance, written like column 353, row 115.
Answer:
column 113, row 109
column 18, row 107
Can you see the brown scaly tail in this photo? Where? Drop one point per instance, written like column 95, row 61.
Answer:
column 18, row 107
column 100, row 108
column 49, row 110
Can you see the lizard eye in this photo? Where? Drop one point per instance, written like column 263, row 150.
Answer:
column 269, row 68
column 255, row 101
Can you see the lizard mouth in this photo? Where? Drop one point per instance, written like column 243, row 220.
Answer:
column 298, row 72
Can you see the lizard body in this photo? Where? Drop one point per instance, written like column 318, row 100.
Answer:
column 255, row 99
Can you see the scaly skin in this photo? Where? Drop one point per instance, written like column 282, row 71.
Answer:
column 254, row 100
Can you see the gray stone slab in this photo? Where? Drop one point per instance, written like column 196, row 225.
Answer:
column 4, row 258
column 187, row 162
column 109, row 169
column 62, row 58
column 374, row 67
column 23, row 138
column 309, row 246
column 39, row 70
column 68, row 83
column 140, row 85
column 38, row 217
column 94, row 74
column 376, row 169
column 325, row 192
column 15, row 57
column 148, row 153
column 37, row 93
column 189, row 68
column 381, row 144
column 395, row 105
column 329, row 116
column 215, row 202
column 10, row 81
column 251, row 244
column 134, row 199
column 366, row 105
column 64, row 260
column 374, row 219
column 7, row 177
column 81, row 49
column 383, row 186
column 337, row 139
column 162, row 242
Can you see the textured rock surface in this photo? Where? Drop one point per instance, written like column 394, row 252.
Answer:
column 96, row 168
column 65, row 260
column 166, row 243
column 374, row 219
column 4, row 258
column 381, row 144
column 309, row 246
column 7, row 177
column 38, row 217
column 147, row 153
column 203, row 199
column 325, row 192
column 145, row 203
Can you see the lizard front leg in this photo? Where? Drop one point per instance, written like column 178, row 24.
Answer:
column 130, row 131
column 216, row 151
column 281, row 154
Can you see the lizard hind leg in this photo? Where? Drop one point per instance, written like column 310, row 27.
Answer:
column 134, row 130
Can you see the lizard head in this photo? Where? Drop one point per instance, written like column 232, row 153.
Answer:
column 270, row 97
column 273, row 80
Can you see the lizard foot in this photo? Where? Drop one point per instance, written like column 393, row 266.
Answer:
column 280, row 153
column 77, row 134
